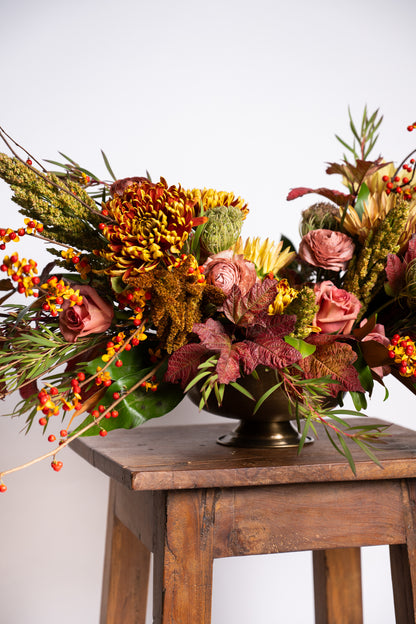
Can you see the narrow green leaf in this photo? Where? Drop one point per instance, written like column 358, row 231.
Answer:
column 368, row 452
column 195, row 380
column 347, row 454
column 107, row 164
column 241, row 389
column 218, row 394
column 304, row 434
column 68, row 158
column 265, row 396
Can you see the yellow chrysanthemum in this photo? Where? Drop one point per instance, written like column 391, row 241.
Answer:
column 285, row 295
column 209, row 198
column 267, row 255
column 150, row 223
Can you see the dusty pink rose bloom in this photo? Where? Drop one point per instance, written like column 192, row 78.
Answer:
column 338, row 309
column 93, row 316
column 225, row 269
column 327, row 249
column 378, row 335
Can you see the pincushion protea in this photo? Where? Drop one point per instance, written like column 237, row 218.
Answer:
column 150, row 224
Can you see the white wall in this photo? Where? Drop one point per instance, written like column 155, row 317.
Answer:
column 231, row 94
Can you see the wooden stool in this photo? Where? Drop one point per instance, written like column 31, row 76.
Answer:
column 190, row 500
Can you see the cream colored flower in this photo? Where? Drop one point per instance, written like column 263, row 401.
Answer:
column 266, row 255
column 376, row 208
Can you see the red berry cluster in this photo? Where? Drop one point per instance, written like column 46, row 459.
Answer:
column 402, row 185
column 8, row 234
column 23, row 273
column 412, row 127
column 403, row 352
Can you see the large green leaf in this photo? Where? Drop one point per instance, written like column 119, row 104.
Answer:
column 141, row 405
column 138, row 407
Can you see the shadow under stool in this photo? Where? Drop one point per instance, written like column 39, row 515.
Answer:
column 178, row 494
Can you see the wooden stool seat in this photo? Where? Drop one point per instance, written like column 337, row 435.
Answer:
column 177, row 493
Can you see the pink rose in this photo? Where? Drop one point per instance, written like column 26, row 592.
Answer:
column 225, row 269
column 93, row 316
column 338, row 308
column 327, row 249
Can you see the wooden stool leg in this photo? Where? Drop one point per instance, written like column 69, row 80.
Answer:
column 183, row 557
column 337, row 584
column 126, row 573
column 403, row 560
column 402, row 563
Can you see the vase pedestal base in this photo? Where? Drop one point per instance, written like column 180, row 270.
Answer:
column 266, row 434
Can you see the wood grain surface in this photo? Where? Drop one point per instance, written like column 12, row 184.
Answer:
column 180, row 457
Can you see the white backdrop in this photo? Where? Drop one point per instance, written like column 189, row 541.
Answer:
column 230, row 94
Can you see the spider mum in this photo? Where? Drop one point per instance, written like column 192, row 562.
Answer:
column 149, row 224
column 268, row 256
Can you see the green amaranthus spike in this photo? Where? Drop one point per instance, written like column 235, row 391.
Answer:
column 305, row 308
column 72, row 220
column 364, row 276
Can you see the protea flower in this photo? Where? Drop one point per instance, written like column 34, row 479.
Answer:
column 222, row 229
column 151, row 223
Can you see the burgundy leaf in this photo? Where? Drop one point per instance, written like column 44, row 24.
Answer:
column 365, row 327
column 242, row 309
column 248, row 356
column 375, row 353
column 212, row 334
column 341, row 199
column 335, row 359
column 228, row 366
column 183, row 363
column 275, row 352
column 358, row 172
column 279, row 325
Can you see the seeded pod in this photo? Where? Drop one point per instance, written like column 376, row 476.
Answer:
column 321, row 216
column 222, row 228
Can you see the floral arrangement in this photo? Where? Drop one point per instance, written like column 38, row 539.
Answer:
column 151, row 291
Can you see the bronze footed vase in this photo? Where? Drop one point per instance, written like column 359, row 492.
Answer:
column 269, row 427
